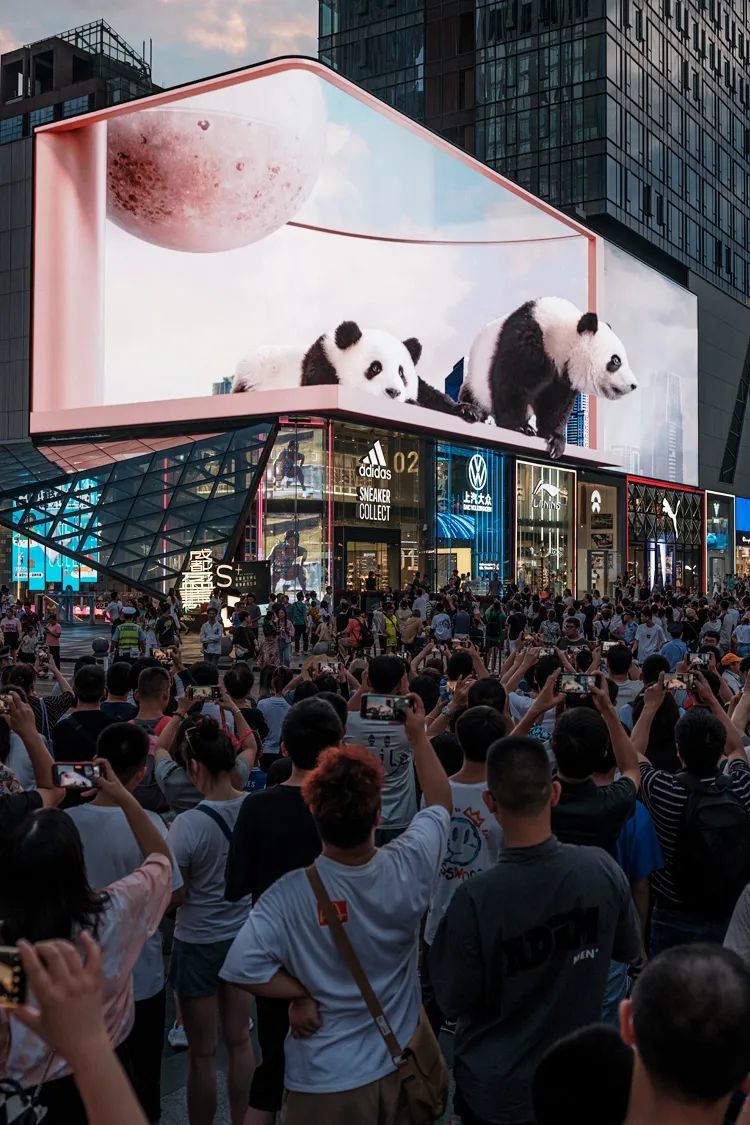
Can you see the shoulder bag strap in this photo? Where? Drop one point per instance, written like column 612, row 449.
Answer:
column 353, row 963
column 217, row 819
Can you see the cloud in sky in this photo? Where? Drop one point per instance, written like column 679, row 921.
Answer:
column 192, row 38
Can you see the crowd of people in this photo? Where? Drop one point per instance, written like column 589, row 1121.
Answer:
column 515, row 825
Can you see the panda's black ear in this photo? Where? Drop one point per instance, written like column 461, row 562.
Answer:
column 347, row 334
column 414, row 348
column 589, row 322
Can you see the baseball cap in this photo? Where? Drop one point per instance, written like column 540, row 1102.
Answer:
column 730, row 658
column 128, row 610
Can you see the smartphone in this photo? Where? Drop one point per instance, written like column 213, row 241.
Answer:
column 75, row 775
column 12, row 978
column 607, row 646
column 575, row 649
column 4, row 703
column 451, row 686
column 459, row 642
column 163, row 656
column 702, row 659
column 548, row 650
column 575, row 683
column 333, row 650
column 679, row 681
column 385, row 708
column 331, row 666
column 207, row 694
column 42, row 652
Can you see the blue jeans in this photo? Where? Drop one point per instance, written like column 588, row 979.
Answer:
column 670, row 926
column 616, row 990
column 285, row 652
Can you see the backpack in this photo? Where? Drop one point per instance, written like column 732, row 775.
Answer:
column 603, row 634
column 366, row 639
column 712, row 856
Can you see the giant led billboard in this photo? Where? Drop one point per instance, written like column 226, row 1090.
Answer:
column 277, row 230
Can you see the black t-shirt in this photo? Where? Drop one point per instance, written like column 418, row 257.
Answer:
column 119, row 712
column 166, row 631
column 255, row 719
column 593, row 814
column 74, row 738
column 449, row 752
column 14, row 807
column 274, row 833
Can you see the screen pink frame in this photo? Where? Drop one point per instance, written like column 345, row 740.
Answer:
column 67, row 318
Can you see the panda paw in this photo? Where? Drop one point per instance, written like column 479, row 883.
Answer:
column 527, row 429
column 556, row 446
column 469, row 412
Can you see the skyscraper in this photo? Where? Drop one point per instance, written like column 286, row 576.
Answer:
column 630, row 116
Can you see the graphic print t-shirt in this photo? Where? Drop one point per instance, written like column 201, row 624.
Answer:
column 474, row 842
column 388, row 742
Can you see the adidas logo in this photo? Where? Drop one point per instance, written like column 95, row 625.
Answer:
column 373, row 464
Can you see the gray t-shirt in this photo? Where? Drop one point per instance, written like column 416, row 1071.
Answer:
column 388, row 742
column 521, row 958
column 738, row 935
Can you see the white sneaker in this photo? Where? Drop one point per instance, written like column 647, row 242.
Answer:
column 177, row 1038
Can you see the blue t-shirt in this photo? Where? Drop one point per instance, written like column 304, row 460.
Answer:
column 274, row 711
column 637, row 847
column 674, row 651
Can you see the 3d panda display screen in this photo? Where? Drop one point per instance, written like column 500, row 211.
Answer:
column 524, row 370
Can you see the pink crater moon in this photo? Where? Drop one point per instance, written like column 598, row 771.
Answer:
column 202, row 181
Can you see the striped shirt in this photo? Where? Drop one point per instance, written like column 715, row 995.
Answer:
column 665, row 799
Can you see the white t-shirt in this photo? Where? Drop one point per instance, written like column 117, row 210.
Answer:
column 20, row 763
column 210, row 636
column 388, row 742
column 381, row 904
column 201, row 848
column 110, row 852
column 650, row 638
column 474, row 842
column 420, row 604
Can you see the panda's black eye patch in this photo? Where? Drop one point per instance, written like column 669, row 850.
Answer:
column 614, row 363
column 401, row 373
column 374, row 369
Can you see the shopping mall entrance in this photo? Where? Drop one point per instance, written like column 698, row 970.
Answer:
column 362, row 550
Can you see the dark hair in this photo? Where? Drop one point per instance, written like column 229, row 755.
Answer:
column 89, row 683
column 201, row 740
column 83, row 662
column 385, row 673
column 653, row 666
column 700, row 739
column 338, row 703
column 4, row 728
column 144, row 662
column 152, row 682
column 584, row 1079
column 125, row 746
column 619, row 660
column 239, row 681
column 44, row 892
column 305, row 690
column 428, row 690
column 343, row 794
column 118, row 678
column 22, row 676
column 459, row 664
column 519, row 775
column 204, row 674
column 326, row 681
column 488, row 692
column 691, row 1018
column 309, row 727
column 540, row 672
column 580, row 742
column 476, row 730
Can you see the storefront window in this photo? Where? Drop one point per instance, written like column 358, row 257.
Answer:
column 719, row 538
column 665, row 536
column 471, row 535
column 742, row 538
column 380, row 483
column 545, row 527
column 598, row 539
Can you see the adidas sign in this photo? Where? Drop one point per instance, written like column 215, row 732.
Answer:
column 373, row 464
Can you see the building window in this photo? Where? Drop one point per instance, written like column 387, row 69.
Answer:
column 11, row 129
column 41, row 116
column 73, row 106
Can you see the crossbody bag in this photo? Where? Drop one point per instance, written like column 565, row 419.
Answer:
column 420, row 1064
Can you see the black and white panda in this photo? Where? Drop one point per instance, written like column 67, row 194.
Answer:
column 535, row 361
column 366, row 359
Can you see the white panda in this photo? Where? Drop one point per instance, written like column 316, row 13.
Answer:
column 367, row 359
column 535, row 361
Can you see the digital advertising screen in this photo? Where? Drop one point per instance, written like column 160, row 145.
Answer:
column 279, row 229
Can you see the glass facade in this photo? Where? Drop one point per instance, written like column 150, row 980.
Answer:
column 599, row 546
column 719, row 538
column 470, row 522
column 665, row 535
column 545, row 527
column 742, row 538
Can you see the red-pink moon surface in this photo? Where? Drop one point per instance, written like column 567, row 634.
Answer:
column 202, row 181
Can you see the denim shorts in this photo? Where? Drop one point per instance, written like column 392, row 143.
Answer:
column 194, row 970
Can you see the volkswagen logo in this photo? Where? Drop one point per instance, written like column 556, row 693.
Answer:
column 477, row 472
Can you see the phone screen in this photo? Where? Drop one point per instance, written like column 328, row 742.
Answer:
column 12, row 978
column 206, row 694
column 609, row 645
column 575, row 683
column 75, row 775
column 679, row 681
column 385, row 708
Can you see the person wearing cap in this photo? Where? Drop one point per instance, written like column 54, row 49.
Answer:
column 730, row 672
column 128, row 639
column 675, row 649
